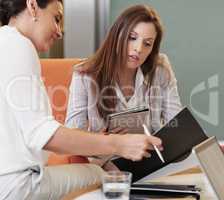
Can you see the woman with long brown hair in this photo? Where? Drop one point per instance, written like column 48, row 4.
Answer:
column 127, row 71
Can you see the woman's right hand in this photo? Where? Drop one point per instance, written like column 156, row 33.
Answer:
column 135, row 146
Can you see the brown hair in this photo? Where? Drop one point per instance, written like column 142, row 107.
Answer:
column 106, row 63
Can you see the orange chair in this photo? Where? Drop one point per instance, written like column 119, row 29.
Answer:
column 57, row 74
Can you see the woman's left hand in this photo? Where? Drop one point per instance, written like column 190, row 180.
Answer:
column 117, row 130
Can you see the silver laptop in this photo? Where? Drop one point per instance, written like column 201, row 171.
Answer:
column 211, row 159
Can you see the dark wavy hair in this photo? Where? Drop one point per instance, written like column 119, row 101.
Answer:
column 11, row 8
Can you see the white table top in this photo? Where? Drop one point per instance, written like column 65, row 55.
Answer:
column 200, row 180
column 197, row 179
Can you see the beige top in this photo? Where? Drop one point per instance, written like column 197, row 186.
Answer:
column 162, row 98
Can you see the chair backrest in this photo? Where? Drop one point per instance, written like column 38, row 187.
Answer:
column 57, row 75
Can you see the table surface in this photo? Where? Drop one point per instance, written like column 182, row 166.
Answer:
column 183, row 172
column 198, row 179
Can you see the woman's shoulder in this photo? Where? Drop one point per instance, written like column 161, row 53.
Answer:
column 164, row 72
column 163, row 63
column 81, row 77
column 17, row 50
column 12, row 37
column 81, row 69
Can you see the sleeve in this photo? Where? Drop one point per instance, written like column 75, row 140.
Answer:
column 77, row 111
column 171, row 104
column 25, row 94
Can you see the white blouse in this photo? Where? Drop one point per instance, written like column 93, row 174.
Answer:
column 82, row 111
column 26, row 121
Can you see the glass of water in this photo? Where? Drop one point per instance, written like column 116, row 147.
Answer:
column 116, row 185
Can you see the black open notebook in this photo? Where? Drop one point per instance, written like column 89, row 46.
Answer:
column 179, row 136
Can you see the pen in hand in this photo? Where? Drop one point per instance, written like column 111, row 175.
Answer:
column 146, row 131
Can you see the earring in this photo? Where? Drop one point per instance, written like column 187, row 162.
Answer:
column 35, row 19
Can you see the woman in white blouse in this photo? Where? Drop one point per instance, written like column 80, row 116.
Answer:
column 127, row 71
column 27, row 126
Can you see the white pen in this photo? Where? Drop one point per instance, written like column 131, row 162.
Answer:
column 146, row 130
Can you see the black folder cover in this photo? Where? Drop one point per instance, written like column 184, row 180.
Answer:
column 179, row 136
column 140, row 191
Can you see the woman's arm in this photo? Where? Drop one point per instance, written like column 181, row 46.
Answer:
column 78, row 142
column 171, row 104
column 77, row 110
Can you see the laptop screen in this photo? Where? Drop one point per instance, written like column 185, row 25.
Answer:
column 211, row 159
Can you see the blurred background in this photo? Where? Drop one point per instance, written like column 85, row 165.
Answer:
column 194, row 43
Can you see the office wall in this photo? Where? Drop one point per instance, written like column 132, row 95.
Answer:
column 85, row 24
column 79, row 25
column 194, row 42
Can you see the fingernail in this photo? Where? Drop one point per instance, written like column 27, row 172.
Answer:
column 161, row 148
column 149, row 156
